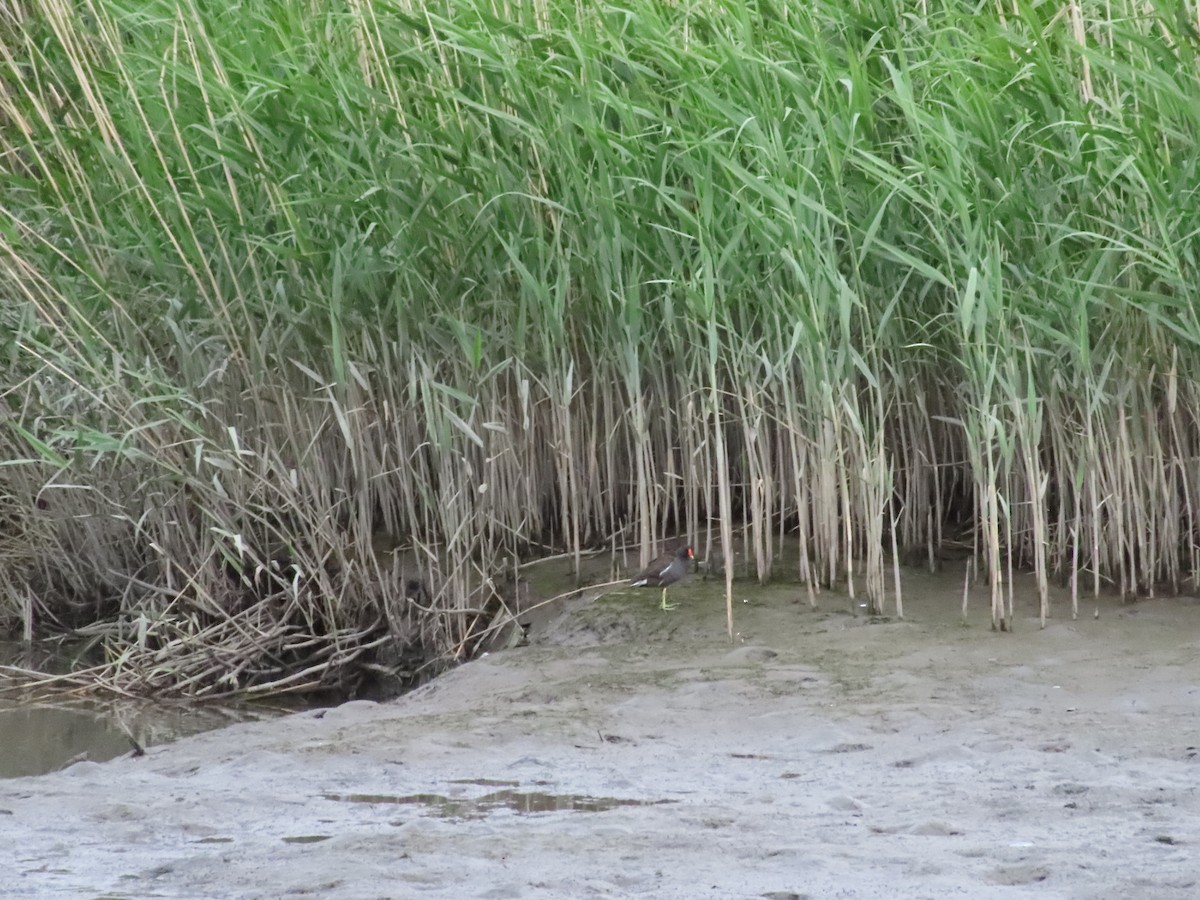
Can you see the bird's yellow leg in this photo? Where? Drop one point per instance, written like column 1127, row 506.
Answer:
column 665, row 604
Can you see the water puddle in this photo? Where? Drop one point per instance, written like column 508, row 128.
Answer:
column 520, row 802
column 489, row 782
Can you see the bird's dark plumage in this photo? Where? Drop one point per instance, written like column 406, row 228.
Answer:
column 665, row 571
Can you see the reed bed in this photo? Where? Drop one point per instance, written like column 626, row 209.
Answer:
column 490, row 281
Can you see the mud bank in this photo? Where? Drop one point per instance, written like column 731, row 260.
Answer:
column 630, row 752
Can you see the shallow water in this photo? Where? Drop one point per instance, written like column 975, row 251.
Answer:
column 40, row 736
column 37, row 737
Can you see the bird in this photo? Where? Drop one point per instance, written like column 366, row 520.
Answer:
column 665, row 571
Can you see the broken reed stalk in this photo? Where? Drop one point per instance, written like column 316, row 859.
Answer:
column 882, row 320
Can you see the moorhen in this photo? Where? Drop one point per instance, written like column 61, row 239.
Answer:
column 665, row 571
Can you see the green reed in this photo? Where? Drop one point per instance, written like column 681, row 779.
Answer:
column 286, row 281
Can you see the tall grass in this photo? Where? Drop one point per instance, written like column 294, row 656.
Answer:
column 286, row 280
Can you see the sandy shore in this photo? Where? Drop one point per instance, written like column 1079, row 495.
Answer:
column 630, row 752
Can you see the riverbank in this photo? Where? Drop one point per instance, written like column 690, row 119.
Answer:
column 631, row 752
